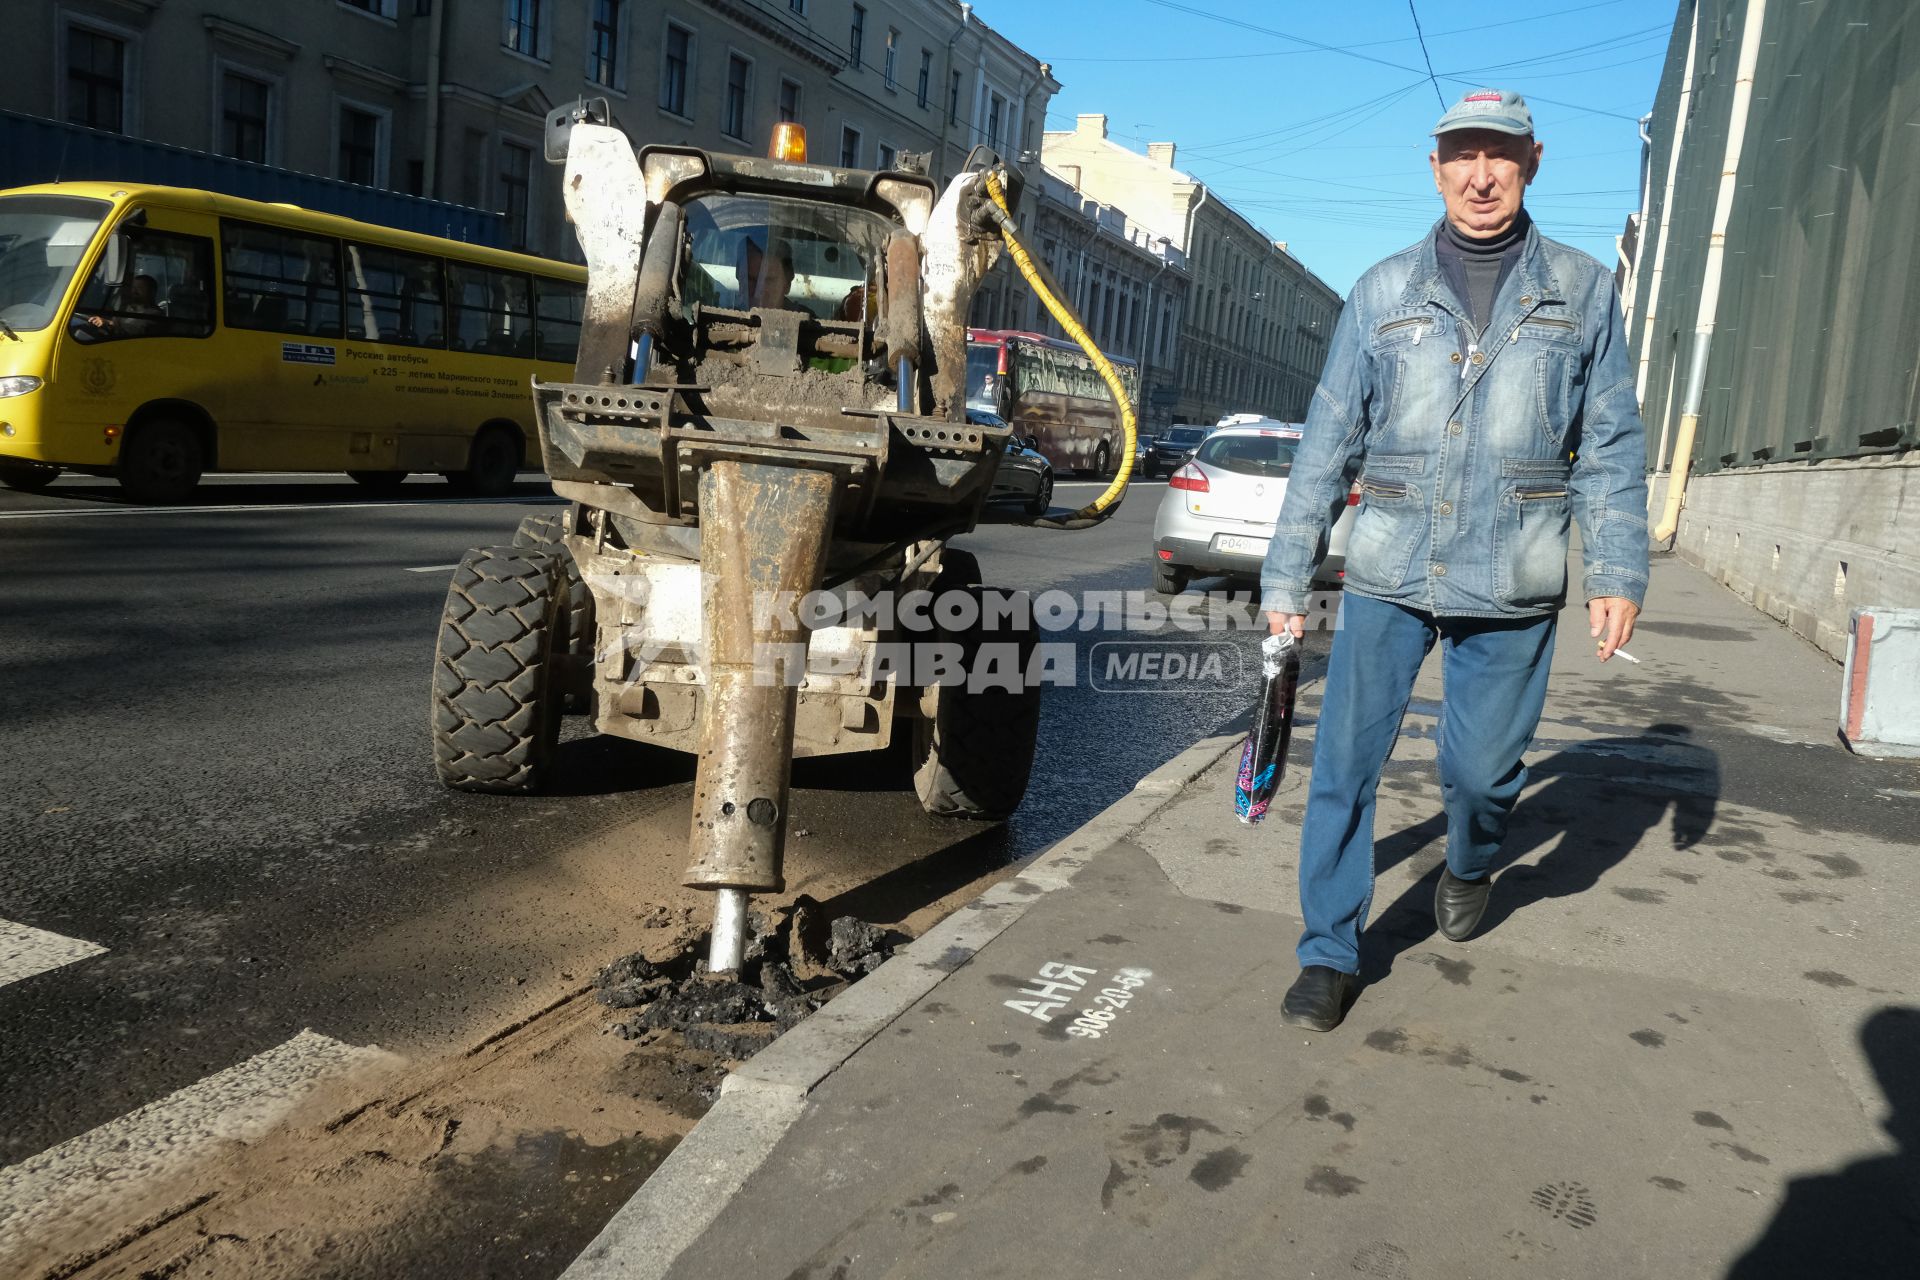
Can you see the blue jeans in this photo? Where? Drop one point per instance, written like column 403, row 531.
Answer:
column 1495, row 676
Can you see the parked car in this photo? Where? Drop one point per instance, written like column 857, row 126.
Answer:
column 1218, row 512
column 1171, row 448
column 1142, row 446
column 1024, row 474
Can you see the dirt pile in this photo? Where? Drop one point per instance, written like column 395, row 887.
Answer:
column 796, row 961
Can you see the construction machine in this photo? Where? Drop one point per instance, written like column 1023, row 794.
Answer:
column 766, row 422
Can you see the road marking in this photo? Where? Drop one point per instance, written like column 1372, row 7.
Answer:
column 55, row 513
column 434, row 568
column 45, row 1195
column 25, row 951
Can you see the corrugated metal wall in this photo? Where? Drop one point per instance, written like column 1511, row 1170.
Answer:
column 1816, row 352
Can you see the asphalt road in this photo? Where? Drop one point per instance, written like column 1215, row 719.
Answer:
column 217, row 770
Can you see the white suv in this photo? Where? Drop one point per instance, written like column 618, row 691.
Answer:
column 1218, row 512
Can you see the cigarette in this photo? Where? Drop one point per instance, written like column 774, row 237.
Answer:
column 1622, row 653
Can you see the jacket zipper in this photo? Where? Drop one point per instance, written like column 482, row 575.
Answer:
column 1534, row 495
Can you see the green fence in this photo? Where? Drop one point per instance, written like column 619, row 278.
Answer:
column 1816, row 349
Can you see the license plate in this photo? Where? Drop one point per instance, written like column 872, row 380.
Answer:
column 1240, row 544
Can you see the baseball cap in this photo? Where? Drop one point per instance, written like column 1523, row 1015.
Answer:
column 1500, row 110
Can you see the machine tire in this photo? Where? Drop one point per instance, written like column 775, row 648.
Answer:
column 378, row 481
column 495, row 706
column 160, row 462
column 493, row 460
column 972, row 759
column 548, row 533
column 1042, row 497
column 28, row 477
column 1170, row 579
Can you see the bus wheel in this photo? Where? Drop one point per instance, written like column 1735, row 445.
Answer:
column 972, row 757
column 547, row 533
column 1102, row 458
column 160, row 462
column 495, row 709
column 28, row 477
column 493, row 460
column 378, row 481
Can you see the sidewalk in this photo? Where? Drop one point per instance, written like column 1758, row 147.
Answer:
column 1686, row 1043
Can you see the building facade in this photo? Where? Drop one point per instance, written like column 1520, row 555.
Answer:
column 1255, row 323
column 1127, row 284
column 1798, row 351
column 448, row 98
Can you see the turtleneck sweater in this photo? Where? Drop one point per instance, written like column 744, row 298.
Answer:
column 1476, row 268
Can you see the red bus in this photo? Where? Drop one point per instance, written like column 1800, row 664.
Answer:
column 1048, row 388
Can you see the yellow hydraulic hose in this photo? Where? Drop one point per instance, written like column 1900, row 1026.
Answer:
column 1102, row 506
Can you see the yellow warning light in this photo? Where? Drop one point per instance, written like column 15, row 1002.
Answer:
column 789, row 143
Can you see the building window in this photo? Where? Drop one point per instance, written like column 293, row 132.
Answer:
column 359, row 159
column 953, row 98
column 378, row 8
column 734, row 121
column 893, row 50
column 858, row 35
column 798, row 6
column 523, row 27
column 603, row 44
column 887, row 157
column 996, row 116
column 516, row 180
column 789, row 100
column 674, row 76
column 926, row 76
column 849, row 147
column 96, row 80
column 244, row 104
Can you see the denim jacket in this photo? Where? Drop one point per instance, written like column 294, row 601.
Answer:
column 1461, row 443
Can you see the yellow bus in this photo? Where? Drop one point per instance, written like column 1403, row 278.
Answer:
column 156, row 333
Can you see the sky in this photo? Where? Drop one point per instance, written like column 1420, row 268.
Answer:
column 1326, row 147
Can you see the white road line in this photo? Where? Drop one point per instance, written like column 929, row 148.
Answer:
column 57, row 1191
column 56, row 513
column 434, row 568
column 25, row 951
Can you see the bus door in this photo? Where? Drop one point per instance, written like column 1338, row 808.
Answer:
column 141, row 328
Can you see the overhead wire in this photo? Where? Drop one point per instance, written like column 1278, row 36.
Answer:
column 1427, row 57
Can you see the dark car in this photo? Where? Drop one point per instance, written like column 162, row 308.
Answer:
column 1024, row 475
column 1170, row 449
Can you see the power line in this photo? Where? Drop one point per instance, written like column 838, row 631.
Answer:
column 1421, row 36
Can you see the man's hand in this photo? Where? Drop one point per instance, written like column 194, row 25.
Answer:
column 1612, row 618
column 1294, row 622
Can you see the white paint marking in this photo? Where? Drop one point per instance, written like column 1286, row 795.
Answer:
column 47, row 1194
column 434, row 568
column 25, row 951
column 53, row 513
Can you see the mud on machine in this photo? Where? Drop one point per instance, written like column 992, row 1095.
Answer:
column 769, row 400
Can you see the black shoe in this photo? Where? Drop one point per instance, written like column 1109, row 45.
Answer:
column 1317, row 1000
column 1458, row 905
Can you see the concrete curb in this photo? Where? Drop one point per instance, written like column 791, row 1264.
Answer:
column 761, row 1101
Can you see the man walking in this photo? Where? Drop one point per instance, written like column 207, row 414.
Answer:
column 1478, row 385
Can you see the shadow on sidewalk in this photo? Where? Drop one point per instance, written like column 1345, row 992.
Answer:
column 1863, row 1220
column 1590, row 813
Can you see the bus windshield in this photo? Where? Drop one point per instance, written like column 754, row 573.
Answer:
column 42, row 239
column 983, row 376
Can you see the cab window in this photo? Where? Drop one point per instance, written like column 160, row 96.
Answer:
column 162, row 290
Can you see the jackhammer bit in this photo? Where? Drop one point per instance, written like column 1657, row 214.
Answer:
column 764, row 532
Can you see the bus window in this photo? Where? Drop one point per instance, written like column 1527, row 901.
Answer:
column 394, row 297
column 983, row 377
column 161, row 291
column 558, row 305
column 490, row 310
column 280, row 281
column 42, row 239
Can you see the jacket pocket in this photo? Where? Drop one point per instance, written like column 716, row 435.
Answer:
column 1530, row 537
column 1386, row 531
